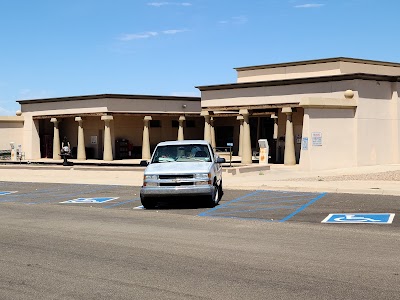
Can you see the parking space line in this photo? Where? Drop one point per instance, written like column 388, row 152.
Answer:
column 258, row 201
column 121, row 203
column 253, row 210
column 303, row 207
column 206, row 213
column 245, row 203
column 16, row 197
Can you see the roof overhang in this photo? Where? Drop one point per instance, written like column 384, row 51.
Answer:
column 319, row 61
column 283, row 82
column 108, row 96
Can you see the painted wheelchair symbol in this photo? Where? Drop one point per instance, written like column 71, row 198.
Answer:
column 372, row 218
column 354, row 218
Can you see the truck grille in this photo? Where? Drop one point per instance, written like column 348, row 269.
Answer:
column 175, row 183
column 183, row 176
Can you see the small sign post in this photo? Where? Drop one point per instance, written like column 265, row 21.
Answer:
column 230, row 145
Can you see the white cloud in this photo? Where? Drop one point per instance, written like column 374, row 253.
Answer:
column 159, row 4
column 135, row 36
column 173, row 31
column 235, row 20
column 309, row 5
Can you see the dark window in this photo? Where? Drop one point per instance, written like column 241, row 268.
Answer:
column 190, row 123
column 155, row 123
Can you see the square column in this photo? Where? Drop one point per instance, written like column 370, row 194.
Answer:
column 247, row 157
column 212, row 133
column 81, row 155
column 180, row 129
column 107, row 154
column 207, row 126
column 56, row 139
column 240, row 118
column 146, row 138
column 290, row 156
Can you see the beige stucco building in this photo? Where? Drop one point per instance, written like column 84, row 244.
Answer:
column 103, row 127
column 321, row 114
column 331, row 113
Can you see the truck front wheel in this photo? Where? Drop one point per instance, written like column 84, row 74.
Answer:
column 148, row 203
column 215, row 197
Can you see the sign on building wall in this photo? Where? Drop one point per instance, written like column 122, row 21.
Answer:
column 316, row 138
column 93, row 139
column 304, row 143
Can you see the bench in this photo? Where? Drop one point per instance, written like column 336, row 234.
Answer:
column 5, row 154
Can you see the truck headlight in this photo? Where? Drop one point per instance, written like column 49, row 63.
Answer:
column 150, row 180
column 204, row 178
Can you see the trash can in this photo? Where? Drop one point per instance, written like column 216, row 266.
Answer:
column 264, row 151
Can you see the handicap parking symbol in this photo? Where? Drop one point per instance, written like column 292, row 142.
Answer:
column 2, row 193
column 358, row 218
column 94, row 200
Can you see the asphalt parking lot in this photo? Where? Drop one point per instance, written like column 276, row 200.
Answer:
column 260, row 205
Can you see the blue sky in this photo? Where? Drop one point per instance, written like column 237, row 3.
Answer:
column 56, row 48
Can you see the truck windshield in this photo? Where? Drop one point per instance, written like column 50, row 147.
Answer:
column 181, row 153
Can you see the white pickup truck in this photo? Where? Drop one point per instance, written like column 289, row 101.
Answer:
column 182, row 168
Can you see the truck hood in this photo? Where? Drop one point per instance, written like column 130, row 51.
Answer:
column 178, row 168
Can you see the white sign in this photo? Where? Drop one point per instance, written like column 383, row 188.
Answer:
column 316, row 138
column 93, row 139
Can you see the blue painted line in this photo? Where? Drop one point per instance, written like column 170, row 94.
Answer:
column 260, row 203
column 253, row 210
column 303, row 207
column 203, row 214
column 281, row 197
column 15, row 197
column 121, row 203
column 102, row 188
column 243, row 219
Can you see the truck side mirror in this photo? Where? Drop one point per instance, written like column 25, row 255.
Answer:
column 144, row 163
column 220, row 160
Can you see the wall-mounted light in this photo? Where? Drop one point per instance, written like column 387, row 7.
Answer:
column 184, row 105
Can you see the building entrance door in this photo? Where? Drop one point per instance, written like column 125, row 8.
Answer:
column 223, row 135
column 263, row 128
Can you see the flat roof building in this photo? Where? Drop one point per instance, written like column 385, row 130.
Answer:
column 320, row 114
column 327, row 113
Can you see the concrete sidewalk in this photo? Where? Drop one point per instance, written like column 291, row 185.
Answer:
column 383, row 179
